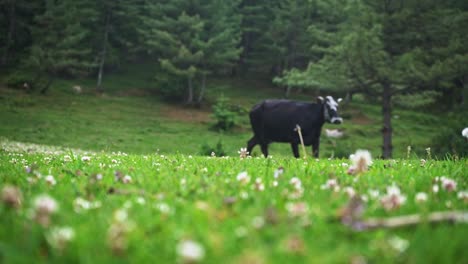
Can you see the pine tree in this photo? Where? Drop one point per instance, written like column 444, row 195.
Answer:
column 116, row 37
column 61, row 40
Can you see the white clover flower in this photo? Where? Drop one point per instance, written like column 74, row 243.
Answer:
column 258, row 222
column 373, row 193
column 463, row 195
column 120, row 215
column 85, row 158
column 349, row 191
column 44, row 204
column 11, row 196
column 296, row 182
column 243, row 153
column 163, row 208
column 67, row 158
column 398, row 243
column 275, row 183
column 278, row 172
column 435, row 188
column 330, row 184
column 50, row 180
column 190, row 251
column 448, row 184
column 243, row 177
column 393, row 199
column 127, row 179
column 465, row 132
column 259, row 186
column 58, row 237
column 297, row 209
column 420, row 197
column 361, row 160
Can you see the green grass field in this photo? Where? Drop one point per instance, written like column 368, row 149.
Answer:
column 169, row 199
column 130, row 184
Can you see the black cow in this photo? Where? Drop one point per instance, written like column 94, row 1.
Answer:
column 276, row 121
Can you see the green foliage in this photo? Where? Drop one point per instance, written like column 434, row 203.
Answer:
column 175, row 198
column 20, row 80
column 449, row 141
column 226, row 114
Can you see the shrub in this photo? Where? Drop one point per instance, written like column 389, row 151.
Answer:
column 206, row 149
column 225, row 114
column 449, row 140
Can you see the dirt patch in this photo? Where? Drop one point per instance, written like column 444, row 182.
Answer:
column 186, row 114
column 360, row 118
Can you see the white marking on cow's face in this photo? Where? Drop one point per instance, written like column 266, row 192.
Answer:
column 332, row 103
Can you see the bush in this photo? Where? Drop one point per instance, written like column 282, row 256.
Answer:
column 225, row 114
column 449, row 141
column 206, row 149
column 19, row 80
column 170, row 86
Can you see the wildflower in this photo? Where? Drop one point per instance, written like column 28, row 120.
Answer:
column 428, row 151
column 330, row 184
column 463, row 195
column 213, row 154
column 243, row 177
column 448, row 184
column 163, row 208
column 465, row 132
column 398, row 243
column 435, row 188
column 296, row 182
column 243, row 153
column 85, row 158
column 67, row 158
column 127, row 179
column 408, row 152
column 393, row 198
column 349, row 191
column 278, row 172
column 258, row 222
column 259, row 186
column 361, row 160
column 373, row 193
column 50, row 180
column 80, row 204
column 423, row 162
column 297, row 209
column 275, row 183
column 118, row 231
column 190, row 251
column 44, row 206
column 59, row 237
column 11, row 196
column 420, row 197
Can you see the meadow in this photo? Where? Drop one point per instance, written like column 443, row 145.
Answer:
column 121, row 177
column 63, row 205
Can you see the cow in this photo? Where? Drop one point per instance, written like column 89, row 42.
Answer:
column 277, row 120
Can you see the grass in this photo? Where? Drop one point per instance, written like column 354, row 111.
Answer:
column 136, row 120
column 177, row 195
column 173, row 198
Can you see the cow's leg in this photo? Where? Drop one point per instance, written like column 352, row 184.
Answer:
column 264, row 149
column 315, row 148
column 295, row 149
column 251, row 144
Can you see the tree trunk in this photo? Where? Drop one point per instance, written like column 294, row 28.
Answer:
column 387, row 121
column 190, row 91
column 47, row 85
column 103, row 54
column 288, row 91
column 202, row 89
column 11, row 30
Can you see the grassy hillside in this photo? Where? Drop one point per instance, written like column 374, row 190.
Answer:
column 131, row 117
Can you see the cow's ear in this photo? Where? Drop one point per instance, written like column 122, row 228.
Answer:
column 320, row 99
column 339, row 100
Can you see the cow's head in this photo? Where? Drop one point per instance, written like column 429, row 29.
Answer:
column 330, row 109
